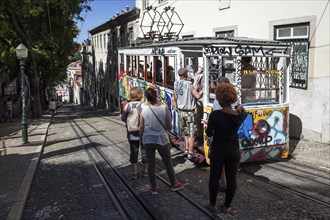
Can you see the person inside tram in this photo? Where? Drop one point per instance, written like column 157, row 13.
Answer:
column 223, row 125
column 170, row 75
column 198, row 83
column 159, row 70
column 249, row 79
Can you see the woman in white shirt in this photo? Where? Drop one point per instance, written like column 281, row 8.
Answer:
column 155, row 119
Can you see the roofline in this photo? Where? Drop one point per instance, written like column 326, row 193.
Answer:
column 125, row 17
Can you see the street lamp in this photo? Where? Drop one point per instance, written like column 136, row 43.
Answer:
column 21, row 53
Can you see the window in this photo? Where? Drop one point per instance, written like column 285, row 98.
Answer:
column 229, row 33
column 141, row 67
column 149, row 68
column 145, row 4
column 130, row 35
column 134, row 66
column 170, row 72
column 162, row 1
column 158, row 69
column 187, row 36
column 223, row 4
column 292, row 32
column 297, row 35
column 128, row 66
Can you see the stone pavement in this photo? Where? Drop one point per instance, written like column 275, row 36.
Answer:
column 18, row 162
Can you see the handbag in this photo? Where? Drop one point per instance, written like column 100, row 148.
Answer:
column 167, row 131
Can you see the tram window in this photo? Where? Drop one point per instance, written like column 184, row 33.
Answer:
column 169, row 69
column 189, row 63
column 215, row 70
column 248, row 80
column 134, row 66
column 128, row 65
column 229, row 69
column 158, row 69
column 148, row 68
column 261, row 82
column 141, row 67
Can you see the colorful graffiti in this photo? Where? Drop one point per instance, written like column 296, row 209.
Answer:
column 255, row 146
column 165, row 96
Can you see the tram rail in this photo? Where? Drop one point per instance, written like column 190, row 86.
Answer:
column 123, row 210
column 112, row 193
column 324, row 185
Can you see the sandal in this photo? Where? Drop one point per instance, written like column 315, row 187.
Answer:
column 190, row 156
column 135, row 176
column 211, row 207
column 145, row 173
column 228, row 210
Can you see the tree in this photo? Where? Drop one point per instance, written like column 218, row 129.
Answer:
column 47, row 28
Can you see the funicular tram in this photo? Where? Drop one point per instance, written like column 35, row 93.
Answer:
column 263, row 90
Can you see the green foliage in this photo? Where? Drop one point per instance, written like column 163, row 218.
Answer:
column 49, row 27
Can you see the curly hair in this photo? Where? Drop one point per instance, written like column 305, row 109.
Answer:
column 136, row 94
column 151, row 95
column 226, row 94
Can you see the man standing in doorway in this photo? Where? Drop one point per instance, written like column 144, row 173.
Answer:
column 185, row 101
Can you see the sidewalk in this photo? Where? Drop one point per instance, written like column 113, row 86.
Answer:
column 18, row 162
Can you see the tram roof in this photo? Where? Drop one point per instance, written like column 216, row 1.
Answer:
column 142, row 43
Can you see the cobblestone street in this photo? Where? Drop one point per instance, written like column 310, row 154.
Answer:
column 65, row 185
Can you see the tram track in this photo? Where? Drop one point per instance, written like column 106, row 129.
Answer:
column 144, row 204
column 303, row 173
column 124, row 211
column 305, row 184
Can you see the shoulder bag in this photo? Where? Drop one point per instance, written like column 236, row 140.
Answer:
column 167, row 131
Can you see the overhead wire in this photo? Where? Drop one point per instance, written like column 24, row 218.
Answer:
column 319, row 21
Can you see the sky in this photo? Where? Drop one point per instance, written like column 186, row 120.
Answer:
column 102, row 11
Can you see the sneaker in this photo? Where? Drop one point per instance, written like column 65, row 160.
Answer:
column 153, row 190
column 177, row 186
column 185, row 152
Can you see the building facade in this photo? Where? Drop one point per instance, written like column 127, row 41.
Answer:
column 100, row 61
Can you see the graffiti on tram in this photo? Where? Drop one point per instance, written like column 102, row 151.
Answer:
column 274, row 126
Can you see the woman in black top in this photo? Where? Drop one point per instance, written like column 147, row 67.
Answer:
column 223, row 126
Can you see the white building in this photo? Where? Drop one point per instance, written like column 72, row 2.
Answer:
column 303, row 23
column 75, row 82
column 100, row 59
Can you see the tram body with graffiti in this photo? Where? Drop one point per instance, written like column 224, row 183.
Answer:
column 263, row 90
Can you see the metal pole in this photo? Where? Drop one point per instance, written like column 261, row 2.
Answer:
column 24, row 118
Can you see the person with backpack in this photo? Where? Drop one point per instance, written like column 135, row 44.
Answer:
column 131, row 115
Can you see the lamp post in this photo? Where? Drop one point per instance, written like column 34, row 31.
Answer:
column 21, row 53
